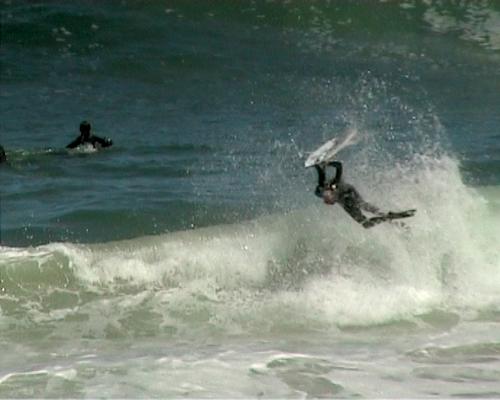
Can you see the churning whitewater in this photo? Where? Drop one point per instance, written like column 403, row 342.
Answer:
column 191, row 258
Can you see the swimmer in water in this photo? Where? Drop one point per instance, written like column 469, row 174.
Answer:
column 3, row 157
column 87, row 137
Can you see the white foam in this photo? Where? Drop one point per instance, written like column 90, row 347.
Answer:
column 315, row 265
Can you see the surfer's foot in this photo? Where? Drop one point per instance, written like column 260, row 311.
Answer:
column 402, row 214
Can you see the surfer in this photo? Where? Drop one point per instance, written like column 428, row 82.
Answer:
column 337, row 191
column 87, row 137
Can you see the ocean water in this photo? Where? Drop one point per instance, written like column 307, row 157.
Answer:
column 192, row 259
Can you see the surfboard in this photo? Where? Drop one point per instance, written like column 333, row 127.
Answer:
column 327, row 151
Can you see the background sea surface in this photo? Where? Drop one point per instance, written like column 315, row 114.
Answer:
column 192, row 259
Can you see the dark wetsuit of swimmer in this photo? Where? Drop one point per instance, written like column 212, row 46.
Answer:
column 3, row 157
column 87, row 137
column 349, row 198
column 95, row 141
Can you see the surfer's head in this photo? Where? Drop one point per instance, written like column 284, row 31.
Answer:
column 85, row 128
column 330, row 196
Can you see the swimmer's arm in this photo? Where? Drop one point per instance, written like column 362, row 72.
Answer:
column 104, row 142
column 75, row 143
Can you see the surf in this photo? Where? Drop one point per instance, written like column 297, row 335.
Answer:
column 313, row 266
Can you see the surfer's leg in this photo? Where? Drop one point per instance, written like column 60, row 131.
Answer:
column 402, row 214
column 388, row 217
column 349, row 199
column 355, row 213
column 370, row 208
column 376, row 220
column 353, row 203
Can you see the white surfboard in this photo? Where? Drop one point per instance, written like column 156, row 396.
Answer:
column 328, row 150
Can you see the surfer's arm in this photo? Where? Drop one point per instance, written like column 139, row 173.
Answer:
column 321, row 175
column 338, row 171
column 104, row 142
column 75, row 143
column 321, row 180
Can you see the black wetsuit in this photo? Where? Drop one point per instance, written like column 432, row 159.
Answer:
column 349, row 198
column 95, row 141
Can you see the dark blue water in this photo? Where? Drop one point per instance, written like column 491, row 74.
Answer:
column 198, row 230
column 205, row 102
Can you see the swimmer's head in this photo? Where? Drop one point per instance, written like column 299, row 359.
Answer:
column 85, row 128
